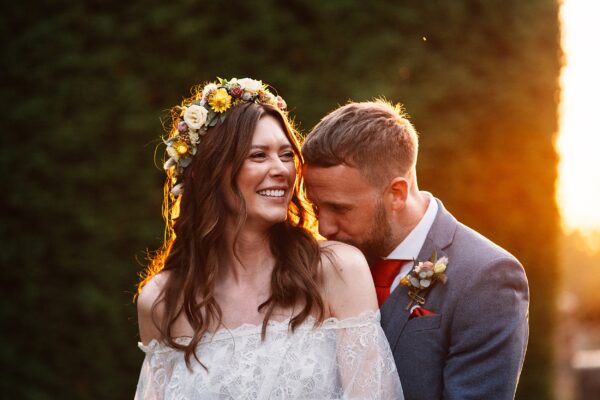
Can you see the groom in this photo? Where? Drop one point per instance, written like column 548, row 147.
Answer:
column 462, row 339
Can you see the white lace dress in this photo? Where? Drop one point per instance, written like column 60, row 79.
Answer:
column 341, row 359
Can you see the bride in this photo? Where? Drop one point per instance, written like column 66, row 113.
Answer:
column 242, row 302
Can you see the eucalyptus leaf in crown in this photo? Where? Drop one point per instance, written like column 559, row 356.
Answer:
column 211, row 108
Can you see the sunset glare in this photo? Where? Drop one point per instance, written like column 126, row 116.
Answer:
column 578, row 143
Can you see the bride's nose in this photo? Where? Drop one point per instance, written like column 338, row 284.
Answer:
column 279, row 169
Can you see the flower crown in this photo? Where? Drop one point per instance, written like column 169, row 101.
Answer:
column 195, row 118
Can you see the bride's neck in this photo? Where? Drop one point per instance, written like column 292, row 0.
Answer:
column 248, row 256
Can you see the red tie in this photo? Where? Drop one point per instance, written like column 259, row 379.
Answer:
column 384, row 272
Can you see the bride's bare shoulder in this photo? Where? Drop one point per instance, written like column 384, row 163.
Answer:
column 341, row 258
column 147, row 313
column 348, row 285
column 152, row 290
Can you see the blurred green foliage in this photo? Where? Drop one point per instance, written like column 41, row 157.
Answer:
column 84, row 85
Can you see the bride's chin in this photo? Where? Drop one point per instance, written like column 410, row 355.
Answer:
column 276, row 219
column 266, row 220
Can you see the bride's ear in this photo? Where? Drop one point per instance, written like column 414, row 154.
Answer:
column 398, row 192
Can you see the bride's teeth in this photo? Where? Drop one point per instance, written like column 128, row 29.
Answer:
column 272, row 193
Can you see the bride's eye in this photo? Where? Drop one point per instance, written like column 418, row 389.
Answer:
column 258, row 155
column 287, row 156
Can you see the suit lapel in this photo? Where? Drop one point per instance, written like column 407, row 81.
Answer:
column 428, row 247
column 394, row 315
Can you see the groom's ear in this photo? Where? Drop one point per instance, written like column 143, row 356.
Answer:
column 398, row 191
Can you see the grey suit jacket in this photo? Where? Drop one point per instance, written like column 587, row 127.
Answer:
column 473, row 348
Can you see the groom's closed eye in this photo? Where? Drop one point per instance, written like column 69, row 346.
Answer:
column 339, row 209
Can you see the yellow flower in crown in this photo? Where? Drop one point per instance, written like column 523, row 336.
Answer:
column 182, row 149
column 220, row 100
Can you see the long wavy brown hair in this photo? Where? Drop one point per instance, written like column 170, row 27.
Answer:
column 194, row 246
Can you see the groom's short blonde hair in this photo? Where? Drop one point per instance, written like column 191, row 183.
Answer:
column 374, row 137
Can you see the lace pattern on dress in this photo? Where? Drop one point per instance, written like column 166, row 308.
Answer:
column 340, row 359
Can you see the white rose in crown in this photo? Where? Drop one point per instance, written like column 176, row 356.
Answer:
column 250, row 85
column 195, row 116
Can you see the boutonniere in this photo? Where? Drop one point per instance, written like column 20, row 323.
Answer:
column 423, row 276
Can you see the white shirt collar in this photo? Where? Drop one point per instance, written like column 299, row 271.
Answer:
column 410, row 247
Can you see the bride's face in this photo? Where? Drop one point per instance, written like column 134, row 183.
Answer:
column 266, row 179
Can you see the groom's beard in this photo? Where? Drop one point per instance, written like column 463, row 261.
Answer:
column 374, row 241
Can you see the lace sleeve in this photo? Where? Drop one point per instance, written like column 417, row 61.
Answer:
column 156, row 371
column 366, row 365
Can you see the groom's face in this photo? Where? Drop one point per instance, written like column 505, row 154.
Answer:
column 349, row 208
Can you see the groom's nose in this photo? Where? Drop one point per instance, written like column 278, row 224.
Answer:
column 327, row 226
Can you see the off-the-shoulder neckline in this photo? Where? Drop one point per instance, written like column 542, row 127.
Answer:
column 361, row 319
